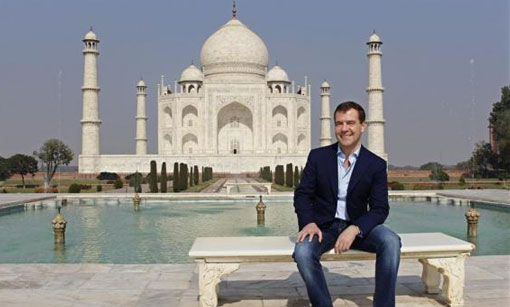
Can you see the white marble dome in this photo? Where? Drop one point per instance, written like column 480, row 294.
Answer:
column 234, row 48
column 191, row 73
column 325, row 84
column 277, row 74
column 141, row 83
column 90, row 36
column 374, row 38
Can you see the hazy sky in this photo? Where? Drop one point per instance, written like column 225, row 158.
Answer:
column 444, row 64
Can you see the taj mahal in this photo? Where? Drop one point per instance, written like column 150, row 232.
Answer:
column 232, row 112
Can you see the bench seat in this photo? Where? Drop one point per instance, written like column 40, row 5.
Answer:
column 439, row 254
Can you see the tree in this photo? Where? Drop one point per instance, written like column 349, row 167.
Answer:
column 431, row 166
column 195, row 174
column 183, row 172
column 499, row 119
column 289, row 177
column 439, row 174
column 483, row 161
column 52, row 154
column 5, row 172
column 153, row 182
column 175, row 178
column 296, row 176
column 23, row 165
column 190, row 176
column 164, row 178
column 279, row 176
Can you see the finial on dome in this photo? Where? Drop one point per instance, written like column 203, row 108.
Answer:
column 373, row 32
column 276, row 63
column 90, row 28
column 234, row 9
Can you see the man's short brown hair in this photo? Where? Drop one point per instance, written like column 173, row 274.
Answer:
column 346, row 106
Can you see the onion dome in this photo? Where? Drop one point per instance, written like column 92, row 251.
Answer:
column 374, row 38
column 277, row 74
column 191, row 73
column 234, row 49
column 325, row 84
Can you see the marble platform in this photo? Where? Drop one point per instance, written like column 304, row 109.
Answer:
column 263, row 284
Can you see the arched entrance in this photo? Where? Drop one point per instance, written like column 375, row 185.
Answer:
column 235, row 129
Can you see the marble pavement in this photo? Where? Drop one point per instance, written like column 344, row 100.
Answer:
column 265, row 284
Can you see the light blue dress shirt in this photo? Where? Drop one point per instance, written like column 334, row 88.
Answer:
column 344, row 176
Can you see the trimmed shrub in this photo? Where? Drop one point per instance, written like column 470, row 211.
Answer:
column 99, row 188
column 48, row 190
column 289, row 176
column 153, row 181
column 396, row 186
column 296, row 176
column 107, row 176
column 462, row 180
column 278, row 175
column 118, row 184
column 74, row 188
column 195, row 174
column 164, row 178
column 176, row 175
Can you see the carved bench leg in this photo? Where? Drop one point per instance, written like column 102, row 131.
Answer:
column 209, row 278
column 430, row 277
column 452, row 270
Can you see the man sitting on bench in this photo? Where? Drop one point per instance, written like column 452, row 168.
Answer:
column 338, row 183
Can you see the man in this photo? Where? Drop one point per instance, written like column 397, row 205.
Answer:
column 338, row 183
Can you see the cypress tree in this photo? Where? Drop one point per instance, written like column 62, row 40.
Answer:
column 278, row 176
column 183, row 180
column 296, row 176
column 164, row 178
column 175, row 180
column 190, row 176
column 154, row 177
column 195, row 174
column 289, row 176
column 203, row 178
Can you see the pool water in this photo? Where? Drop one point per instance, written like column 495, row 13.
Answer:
column 163, row 231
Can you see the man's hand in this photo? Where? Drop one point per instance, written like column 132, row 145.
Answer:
column 310, row 229
column 345, row 239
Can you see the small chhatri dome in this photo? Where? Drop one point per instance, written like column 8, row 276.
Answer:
column 276, row 73
column 141, row 83
column 234, row 45
column 374, row 38
column 325, row 84
column 90, row 35
column 191, row 73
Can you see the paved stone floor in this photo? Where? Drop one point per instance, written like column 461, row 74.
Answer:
column 272, row 284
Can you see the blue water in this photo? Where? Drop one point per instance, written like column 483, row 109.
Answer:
column 163, row 232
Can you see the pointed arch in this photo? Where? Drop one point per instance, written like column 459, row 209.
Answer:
column 235, row 126
column 189, row 143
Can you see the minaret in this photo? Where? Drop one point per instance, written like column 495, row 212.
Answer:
column 325, row 115
column 90, row 117
column 375, row 91
column 141, row 119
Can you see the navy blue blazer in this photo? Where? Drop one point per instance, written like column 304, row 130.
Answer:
column 316, row 196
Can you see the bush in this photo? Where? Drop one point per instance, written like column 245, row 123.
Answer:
column 49, row 190
column 74, row 188
column 278, row 175
column 99, row 188
column 462, row 180
column 85, row 187
column 4, row 191
column 118, row 184
column 27, row 186
column 107, row 176
column 289, row 176
column 395, row 186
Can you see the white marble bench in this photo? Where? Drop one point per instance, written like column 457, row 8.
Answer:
column 231, row 185
column 439, row 254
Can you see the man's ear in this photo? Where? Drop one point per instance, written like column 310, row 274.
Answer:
column 363, row 126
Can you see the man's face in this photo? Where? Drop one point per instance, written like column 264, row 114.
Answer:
column 348, row 128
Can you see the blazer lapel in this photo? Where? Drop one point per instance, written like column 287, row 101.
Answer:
column 333, row 169
column 359, row 169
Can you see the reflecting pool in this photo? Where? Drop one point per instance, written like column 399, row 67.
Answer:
column 163, row 231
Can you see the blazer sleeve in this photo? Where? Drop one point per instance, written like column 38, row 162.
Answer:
column 378, row 201
column 304, row 195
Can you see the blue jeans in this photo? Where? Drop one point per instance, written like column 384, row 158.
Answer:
column 381, row 240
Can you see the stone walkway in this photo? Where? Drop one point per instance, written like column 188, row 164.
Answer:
column 273, row 284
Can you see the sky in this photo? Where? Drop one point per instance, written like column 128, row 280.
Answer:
column 444, row 64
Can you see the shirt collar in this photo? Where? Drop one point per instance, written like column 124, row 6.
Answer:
column 341, row 154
